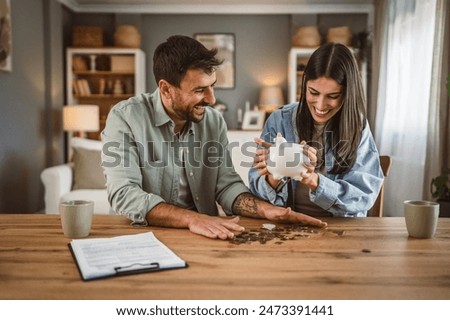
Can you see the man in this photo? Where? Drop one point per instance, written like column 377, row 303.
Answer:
column 165, row 156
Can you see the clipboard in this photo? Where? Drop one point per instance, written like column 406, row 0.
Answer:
column 96, row 258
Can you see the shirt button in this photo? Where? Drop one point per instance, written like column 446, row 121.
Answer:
column 191, row 173
column 196, row 198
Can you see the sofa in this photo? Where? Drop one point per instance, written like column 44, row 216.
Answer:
column 83, row 179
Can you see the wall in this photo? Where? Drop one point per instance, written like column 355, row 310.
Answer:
column 262, row 46
column 27, row 143
column 32, row 95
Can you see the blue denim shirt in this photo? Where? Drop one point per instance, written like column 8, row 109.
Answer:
column 346, row 195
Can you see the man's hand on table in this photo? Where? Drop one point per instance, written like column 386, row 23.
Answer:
column 215, row 227
column 167, row 215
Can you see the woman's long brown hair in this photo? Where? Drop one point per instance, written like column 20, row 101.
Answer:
column 342, row 133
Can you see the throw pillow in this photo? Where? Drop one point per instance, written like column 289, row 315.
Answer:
column 88, row 172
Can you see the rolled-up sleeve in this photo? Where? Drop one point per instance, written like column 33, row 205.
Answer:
column 355, row 191
column 121, row 163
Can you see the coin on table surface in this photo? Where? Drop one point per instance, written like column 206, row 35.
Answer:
column 269, row 226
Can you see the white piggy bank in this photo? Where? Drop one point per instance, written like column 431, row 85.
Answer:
column 286, row 159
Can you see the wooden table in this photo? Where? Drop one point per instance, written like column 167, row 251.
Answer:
column 362, row 258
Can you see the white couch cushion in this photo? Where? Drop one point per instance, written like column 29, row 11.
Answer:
column 58, row 182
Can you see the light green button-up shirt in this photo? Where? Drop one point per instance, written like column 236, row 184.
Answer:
column 142, row 165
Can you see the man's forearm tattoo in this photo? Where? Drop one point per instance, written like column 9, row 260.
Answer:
column 246, row 205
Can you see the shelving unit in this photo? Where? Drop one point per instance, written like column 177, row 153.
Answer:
column 298, row 58
column 103, row 76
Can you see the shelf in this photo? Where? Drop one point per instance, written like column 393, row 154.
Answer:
column 118, row 71
column 104, row 73
column 105, row 96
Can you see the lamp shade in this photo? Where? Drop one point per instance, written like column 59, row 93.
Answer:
column 84, row 118
column 271, row 98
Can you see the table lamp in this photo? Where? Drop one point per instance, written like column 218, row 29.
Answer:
column 270, row 98
column 81, row 118
column 78, row 119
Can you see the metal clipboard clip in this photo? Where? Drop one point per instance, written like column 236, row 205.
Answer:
column 130, row 269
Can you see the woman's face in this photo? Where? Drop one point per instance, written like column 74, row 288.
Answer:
column 324, row 97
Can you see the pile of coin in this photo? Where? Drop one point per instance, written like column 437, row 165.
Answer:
column 279, row 234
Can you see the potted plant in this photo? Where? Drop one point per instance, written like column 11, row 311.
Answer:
column 440, row 190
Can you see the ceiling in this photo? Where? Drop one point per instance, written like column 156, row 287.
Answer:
column 219, row 6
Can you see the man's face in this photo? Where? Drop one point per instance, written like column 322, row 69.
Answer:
column 195, row 93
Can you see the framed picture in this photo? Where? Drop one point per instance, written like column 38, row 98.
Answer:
column 224, row 42
column 253, row 120
column 5, row 36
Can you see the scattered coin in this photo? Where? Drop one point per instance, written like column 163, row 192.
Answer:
column 269, row 226
column 269, row 232
column 338, row 232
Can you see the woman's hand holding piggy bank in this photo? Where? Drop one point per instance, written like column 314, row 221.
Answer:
column 286, row 159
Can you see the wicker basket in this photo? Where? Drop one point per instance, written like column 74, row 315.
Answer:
column 308, row 36
column 87, row 36
column 127, row 36
column 340, row 35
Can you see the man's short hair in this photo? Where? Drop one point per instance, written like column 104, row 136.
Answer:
column 173, row 58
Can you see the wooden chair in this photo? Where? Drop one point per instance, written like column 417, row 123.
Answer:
column 377, row 209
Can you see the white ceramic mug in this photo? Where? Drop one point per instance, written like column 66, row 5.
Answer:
column 421, row 218
column 76, row 218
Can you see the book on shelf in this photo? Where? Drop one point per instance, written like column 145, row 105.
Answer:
column 86, row 87
column 79, row 64
column 107, row 257
column 81, row 87
column 76, row 88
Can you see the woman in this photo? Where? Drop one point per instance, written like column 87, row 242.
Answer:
column 331, row 118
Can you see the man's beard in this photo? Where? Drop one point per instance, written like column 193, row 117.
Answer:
column 194, row 117
column 191, row 114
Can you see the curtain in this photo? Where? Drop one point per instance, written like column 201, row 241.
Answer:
column 404, row 95
column 377, row 41
column 438, row 132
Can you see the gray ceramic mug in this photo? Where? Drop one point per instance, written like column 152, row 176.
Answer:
column 421, row 218
column 76, row 218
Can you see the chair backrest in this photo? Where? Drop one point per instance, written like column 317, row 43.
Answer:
column 377, row 209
